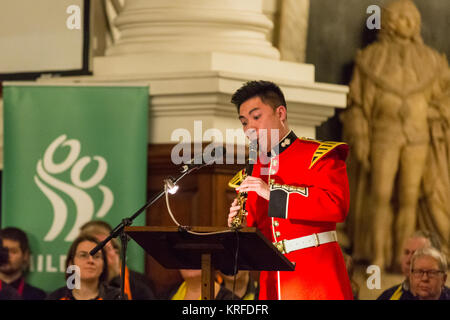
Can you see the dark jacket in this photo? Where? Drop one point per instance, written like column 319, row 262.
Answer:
column 406, row 294
column 27, row 291
column 7, row 292
column 106, row 292
column 139, row 285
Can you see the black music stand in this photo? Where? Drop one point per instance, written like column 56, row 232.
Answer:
column 176, row 248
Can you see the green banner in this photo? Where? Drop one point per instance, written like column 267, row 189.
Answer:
column 72, row 154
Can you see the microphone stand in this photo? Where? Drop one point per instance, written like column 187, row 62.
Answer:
column 119, row 229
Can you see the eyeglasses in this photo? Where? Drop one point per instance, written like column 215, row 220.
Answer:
column 430, row 273
column 83, row 255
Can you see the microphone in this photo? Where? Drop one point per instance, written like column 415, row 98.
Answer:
column 216, row 155
column 252, row 156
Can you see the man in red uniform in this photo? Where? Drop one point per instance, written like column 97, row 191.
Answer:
column 296, row 195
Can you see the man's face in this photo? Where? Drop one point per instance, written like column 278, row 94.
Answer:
column 261, row 121
column 17, row 258
column 411, row 245
column 427, row 286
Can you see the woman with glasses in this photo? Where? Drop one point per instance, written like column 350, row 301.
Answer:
column 86, row 275
column 137, row 286
column 428, row 275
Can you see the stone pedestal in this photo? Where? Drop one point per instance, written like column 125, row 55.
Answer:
column 198, row 86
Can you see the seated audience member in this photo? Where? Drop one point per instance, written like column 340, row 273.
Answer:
column 137, row 285
column 14, row 271
column 6, row 291
column 93, row 274
column 245, row 288
column 428, row 275
column 418, row 240
column 191, row 288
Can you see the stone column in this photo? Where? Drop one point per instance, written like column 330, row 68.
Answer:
column 293, row 30
column 231, row 26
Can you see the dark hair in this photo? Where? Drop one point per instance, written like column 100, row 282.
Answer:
column 15, row 234
column 267, row 91
column 73, row 249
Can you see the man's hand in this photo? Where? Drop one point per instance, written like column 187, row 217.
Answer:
column 257, row 185
column 234, row 209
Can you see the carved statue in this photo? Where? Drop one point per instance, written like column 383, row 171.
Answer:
column 434, row 203
column 396, row 91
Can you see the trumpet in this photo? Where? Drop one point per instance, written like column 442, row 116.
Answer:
column 236, row 181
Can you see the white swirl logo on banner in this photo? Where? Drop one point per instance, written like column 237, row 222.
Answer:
column 76, row 190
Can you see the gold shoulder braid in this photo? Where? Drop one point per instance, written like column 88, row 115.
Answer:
column 323, row 149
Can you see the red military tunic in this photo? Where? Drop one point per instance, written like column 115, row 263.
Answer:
column 320, row 272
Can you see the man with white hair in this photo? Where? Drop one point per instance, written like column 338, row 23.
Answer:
column 428, row 275
column 420, row 239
